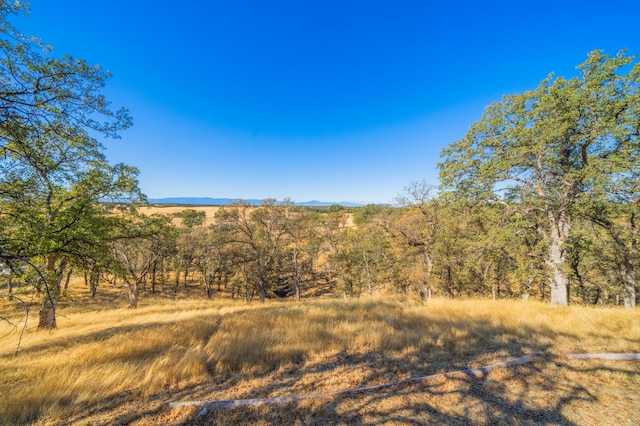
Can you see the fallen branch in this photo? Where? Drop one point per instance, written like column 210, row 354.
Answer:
column 618, row 357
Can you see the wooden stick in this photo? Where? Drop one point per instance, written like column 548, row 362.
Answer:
column 630, row 356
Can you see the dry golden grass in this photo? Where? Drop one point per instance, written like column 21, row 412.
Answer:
column 210, row 211
column 110, row 365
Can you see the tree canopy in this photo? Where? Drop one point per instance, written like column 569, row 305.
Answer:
column 53, row 170
column 552, row 147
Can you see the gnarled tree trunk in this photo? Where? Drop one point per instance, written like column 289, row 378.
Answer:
column 556, row 258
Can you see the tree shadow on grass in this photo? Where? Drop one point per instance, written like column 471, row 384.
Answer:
column 534, row 393
column 450, row 401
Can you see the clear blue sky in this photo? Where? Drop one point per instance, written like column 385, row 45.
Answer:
column 315, row 99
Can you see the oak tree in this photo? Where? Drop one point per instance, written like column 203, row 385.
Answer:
column 52, row 168
column 552, row 146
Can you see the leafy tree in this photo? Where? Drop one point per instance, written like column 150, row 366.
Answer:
column 301, row 245
column 332, row 230
column 192, row 218
column 42, row 92
column 262, row 233
column 418, row 225
column 186, row 254
column 367, row 258
column 590, row 264
column 213, row 257
column 551, row 146
column 52, row 168
column 140, row 241
column 619, row 225
column 524, row 244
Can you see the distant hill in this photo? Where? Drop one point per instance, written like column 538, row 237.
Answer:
column 206, row 201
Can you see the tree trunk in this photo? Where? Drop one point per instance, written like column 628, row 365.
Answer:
column 47, row 316
column 247, row 297
column 262, row 290
column 68, row 279
column 10, row 286
column 54, row 273
column 429, row 263
column 368, row 273
column 559, row 282
column 556, row 259
column 629, row 285
column 296, row 278
column 219, row 279
column 134, row 291
column 527, row 289
column 425, row 293
column 153, row 277
column 162, row 277
column 93, row 284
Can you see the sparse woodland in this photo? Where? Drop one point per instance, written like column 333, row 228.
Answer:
column 424, row 246
column 539, row 200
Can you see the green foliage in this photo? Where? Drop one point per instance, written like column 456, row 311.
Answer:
column 548, row 148
column 364, row 214
column 139, row 241
column 53, row 172
column 259, row 235
column 564, row 137
column 191, row 217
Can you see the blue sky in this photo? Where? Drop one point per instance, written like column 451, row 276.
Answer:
column 306, row 99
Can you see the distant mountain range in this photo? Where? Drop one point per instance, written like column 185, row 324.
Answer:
column 206, row 201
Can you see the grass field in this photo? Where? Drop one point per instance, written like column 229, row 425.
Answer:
column 210, row 211
column 106, row 364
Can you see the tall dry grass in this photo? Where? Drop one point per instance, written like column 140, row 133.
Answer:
column 102, row 365
column 210, row 211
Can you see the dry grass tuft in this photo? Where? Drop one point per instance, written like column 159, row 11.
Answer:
column 116, row 365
